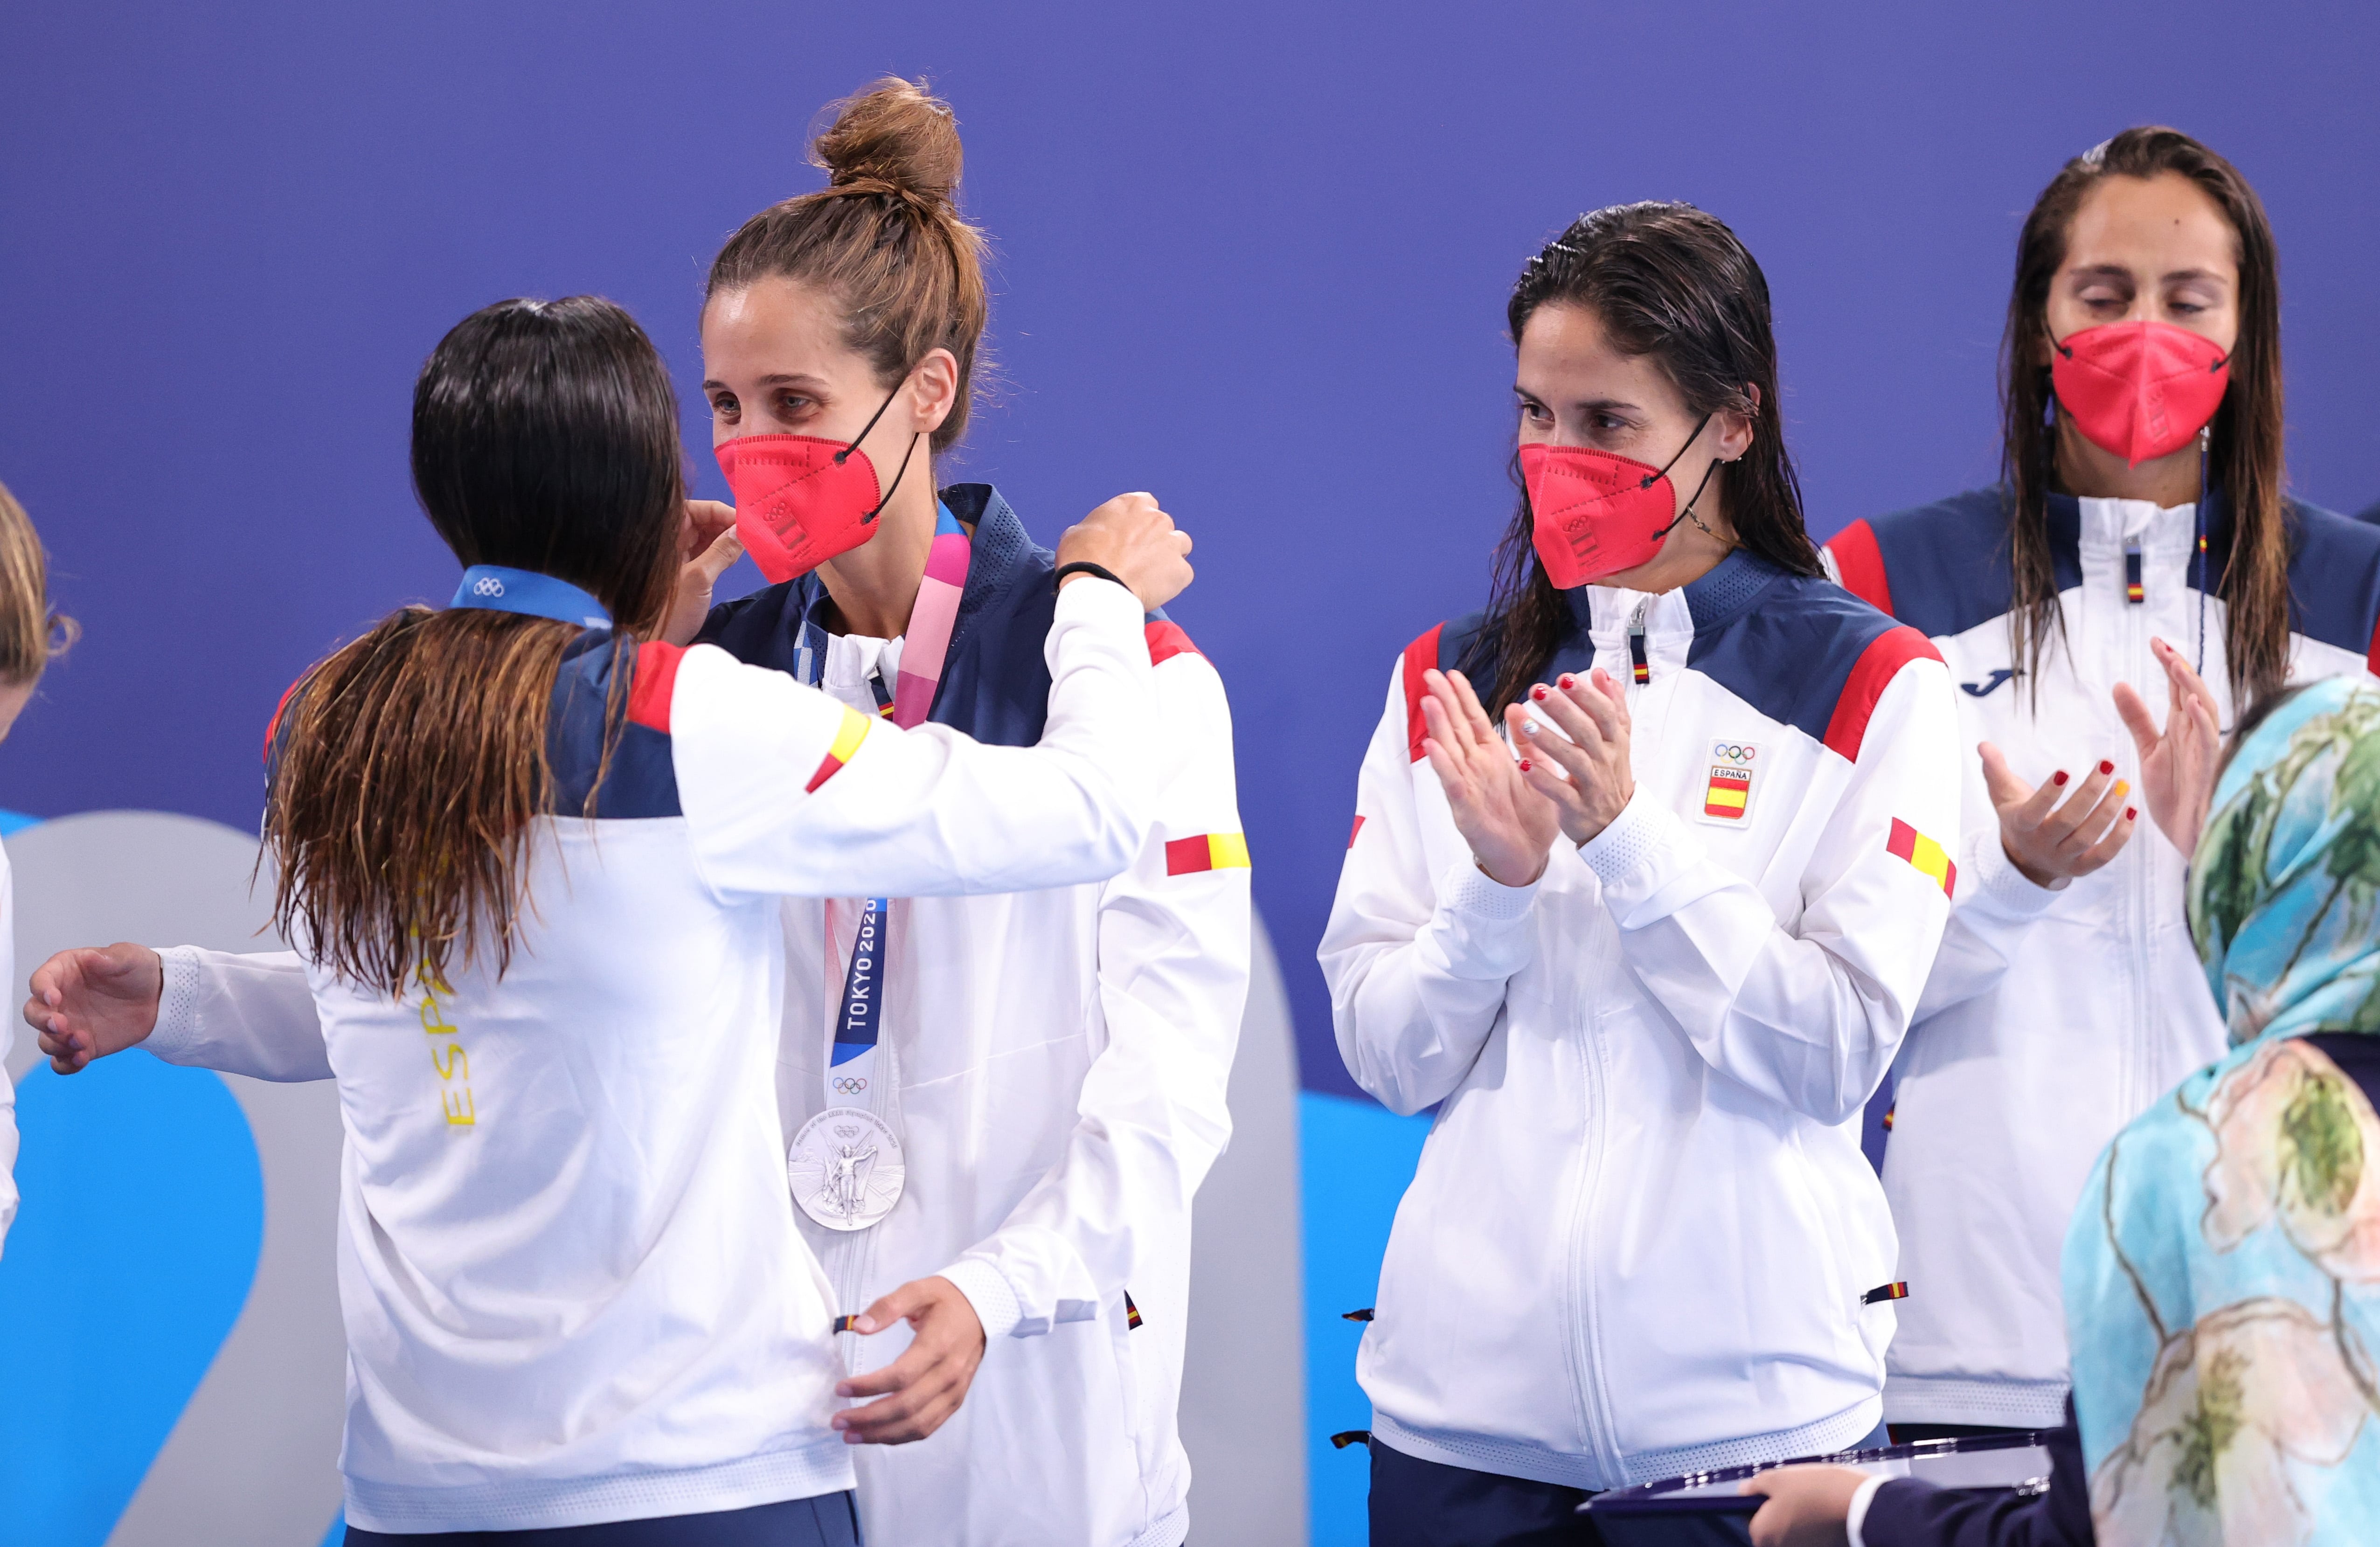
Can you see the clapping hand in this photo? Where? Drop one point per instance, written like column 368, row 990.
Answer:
column 1508, row 826
column 1592, row 712
column 2177, row 765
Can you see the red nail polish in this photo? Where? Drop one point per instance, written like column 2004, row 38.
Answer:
column 2107, row 767
column 1568, row 681
column 1539, row 692
column 1524, row 766
column 2130, row 814
column 2058, row 777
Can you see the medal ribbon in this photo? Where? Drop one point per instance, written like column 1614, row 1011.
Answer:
column 857, row 1020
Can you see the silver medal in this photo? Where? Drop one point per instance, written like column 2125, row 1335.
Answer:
column 845, row 1168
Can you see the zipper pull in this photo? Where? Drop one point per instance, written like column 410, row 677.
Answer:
column 2132, row 593
column 1636, row 643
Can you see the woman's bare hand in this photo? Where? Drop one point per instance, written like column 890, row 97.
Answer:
column 2061, row 829
column 1508, row 826
column 2177, row 763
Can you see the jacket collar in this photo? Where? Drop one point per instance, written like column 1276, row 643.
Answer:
column 1719, row 596
column 1000, row 557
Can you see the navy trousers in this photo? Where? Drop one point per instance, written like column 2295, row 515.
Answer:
column 1427, row 1504
column 828, row 1520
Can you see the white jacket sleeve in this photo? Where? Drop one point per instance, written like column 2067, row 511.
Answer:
column 1811, row 1016
column 1173, row 943
column 786, row 792
column 1994, row 907
column 1416, row 963
column 246, row 1014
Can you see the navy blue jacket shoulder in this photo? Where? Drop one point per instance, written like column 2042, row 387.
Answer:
column 995, row 682
column 1798, row 648
column 1945, row 568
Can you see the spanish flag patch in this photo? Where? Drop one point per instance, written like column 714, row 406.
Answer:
column 847, row 737
column 1729, row 795
column 1208, row 851
column 1908, row 843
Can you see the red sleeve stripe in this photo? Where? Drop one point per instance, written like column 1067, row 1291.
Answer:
column 654, row 684
column 272, row 726
column 1167, row 640
column 2371, row 656
column 1420, row 656
column 1862, row 566
column 1355, row 832
column 1871, row 675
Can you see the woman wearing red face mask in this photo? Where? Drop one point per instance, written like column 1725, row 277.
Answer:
column 2139, row 546
column 1645, row 914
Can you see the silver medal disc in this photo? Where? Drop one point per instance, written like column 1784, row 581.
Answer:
column 845, row 1168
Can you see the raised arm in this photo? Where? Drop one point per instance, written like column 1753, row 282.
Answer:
column 788, row 792
column 1421, row 939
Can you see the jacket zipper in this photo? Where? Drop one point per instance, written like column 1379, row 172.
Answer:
column 1642, row 670
column 2144, row 858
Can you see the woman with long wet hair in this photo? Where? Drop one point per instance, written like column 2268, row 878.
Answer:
column 2141, row 541
column 533, row 861
column 1646, row 921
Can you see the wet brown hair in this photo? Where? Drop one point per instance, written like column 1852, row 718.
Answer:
column 29, row 631
column 1668, row 281
column 410, row 767
column 2243, row 454
column 883, row 237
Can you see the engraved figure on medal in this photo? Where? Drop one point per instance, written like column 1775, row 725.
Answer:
column 845, row 1168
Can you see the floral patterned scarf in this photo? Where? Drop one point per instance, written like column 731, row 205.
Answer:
column 2222, row 1273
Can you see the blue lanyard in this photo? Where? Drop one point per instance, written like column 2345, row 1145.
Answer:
column 862, row 985
column 498, row 588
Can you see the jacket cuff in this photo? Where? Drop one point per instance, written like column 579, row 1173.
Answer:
column 1887, row 1511
column 986, row 1289
column 1634, row 841
column 1482, row 924
column 175, row 1037
column 1998, row 890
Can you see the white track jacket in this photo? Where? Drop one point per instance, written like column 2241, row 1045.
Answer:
column 2053, row 1017
column 1057, row 1061
column 568, row 1263
column 1642, row 1239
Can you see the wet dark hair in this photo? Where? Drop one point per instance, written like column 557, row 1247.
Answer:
column 1668, row 281
column 2243, row 456
column 411, row 764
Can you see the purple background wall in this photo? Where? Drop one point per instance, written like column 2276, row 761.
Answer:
column 1252, row 256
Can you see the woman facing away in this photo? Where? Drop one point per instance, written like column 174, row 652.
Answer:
column 2222, row 1271
column 534, row 871
column 29, row 634
column 1049, row 1067
column 2140, row 538
column 1650, row 969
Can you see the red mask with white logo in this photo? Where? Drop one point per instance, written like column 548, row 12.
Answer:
column 802, row 499
column 2139, row 390
column 1596, row 513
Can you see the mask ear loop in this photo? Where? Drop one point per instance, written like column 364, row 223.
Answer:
column 2205, row 442
column 844, row 454
column 1650, row 479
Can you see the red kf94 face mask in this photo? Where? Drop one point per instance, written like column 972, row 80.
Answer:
column 802, row 499
column 2139, row 390
column 1596, row 513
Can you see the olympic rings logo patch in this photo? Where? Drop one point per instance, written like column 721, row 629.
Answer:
column 1734, row 751
column 849, row 1085
column 488, row 586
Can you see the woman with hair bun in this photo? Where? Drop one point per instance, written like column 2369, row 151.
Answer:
column 533, row 861
column 2141, row 541
column 996, row 1109
column 1645, row 921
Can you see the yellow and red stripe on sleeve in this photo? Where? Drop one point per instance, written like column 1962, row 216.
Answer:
column 847, row 737
column 1206, row 852
column 1924, row 853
